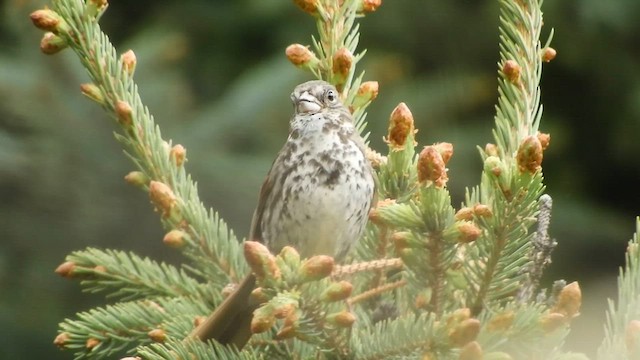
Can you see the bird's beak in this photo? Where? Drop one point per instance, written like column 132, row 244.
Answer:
column 307, row 104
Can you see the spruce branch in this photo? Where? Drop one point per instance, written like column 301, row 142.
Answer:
column 129, row 277
column 622, row 327
column 512, row 181
column 213, row 249
column 175, row 349
column 109, row 330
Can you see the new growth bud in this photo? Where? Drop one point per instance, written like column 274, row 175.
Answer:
column 367, row 92
column 341, row 319
column 548, row 54
column 337, row 291
column 368, row 6
column 465, row 332
column 301, row 56
column 157, row 335
column 178, row 154
column 48, row 20
column 162, row 197
column 66, row 269
column 530, row 155
column 463, row 232
column 136, row 178
column 471, row 351
column 511, row 71
column 432, row 167
column 308, row 6
column 262, row 262
column 92, row 92
column 91, row 343
column 342, row 61
column 61, row 340
column 124, row 112
column 316, row 268
column 52, row 43
column 401, row 126
column 175, row 239
column 129, row 61
column 569, row 301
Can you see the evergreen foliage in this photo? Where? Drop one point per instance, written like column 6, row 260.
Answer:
column 428, row 281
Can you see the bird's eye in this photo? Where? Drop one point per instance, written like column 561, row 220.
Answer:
column 331, row 96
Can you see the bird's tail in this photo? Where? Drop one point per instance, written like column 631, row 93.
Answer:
column 230, row 323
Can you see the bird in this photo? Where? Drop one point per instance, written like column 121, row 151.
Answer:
column 316, row 198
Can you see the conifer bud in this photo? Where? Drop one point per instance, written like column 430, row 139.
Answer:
column 284, row 310
column 316, row 268
column 403, row 240
column 482, row 210
column 465, row 213
column 367, row 92
column 91, row 343
column 129, row 61
column 446, row 151
column 262, row 321
column 548, row 54
column 632, row 335
column 162, row 197
column 258, row 296
column 342, row 61
column 529, row 155
column 92, row 92
column 301, row 56
column 502, row 321
column 569, row 300
column 494, row 167
column 401, row 127
column 99, row 269
column 458, row 316
column 511, row 71
column 52, row 43
column 431, row 167
column 308, row 6
column 337, row 291
column 551, row 321
column 175, row 239
column 290, row 256
column 374, row 213
column 124, row 112
column 136, row 178
column 66, row 269
column 178, row 154
column 49, row 20
column 286, row 332
column 465, row 332
column 423, row 299
column 545, row 139
column 368, row 6
column 61, row 340
column 491, row 149
column 198, row 320
column 262, row 262
column 95, row 7
column 471, row 351
column 157, row 335
column 341, row 319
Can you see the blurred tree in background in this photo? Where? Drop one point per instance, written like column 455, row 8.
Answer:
column 215, row 75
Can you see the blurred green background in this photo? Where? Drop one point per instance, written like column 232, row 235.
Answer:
column 215, row 76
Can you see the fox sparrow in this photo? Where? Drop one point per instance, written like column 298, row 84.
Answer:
column 316, row 198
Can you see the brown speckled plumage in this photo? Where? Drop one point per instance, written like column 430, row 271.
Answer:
column 315, row 198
